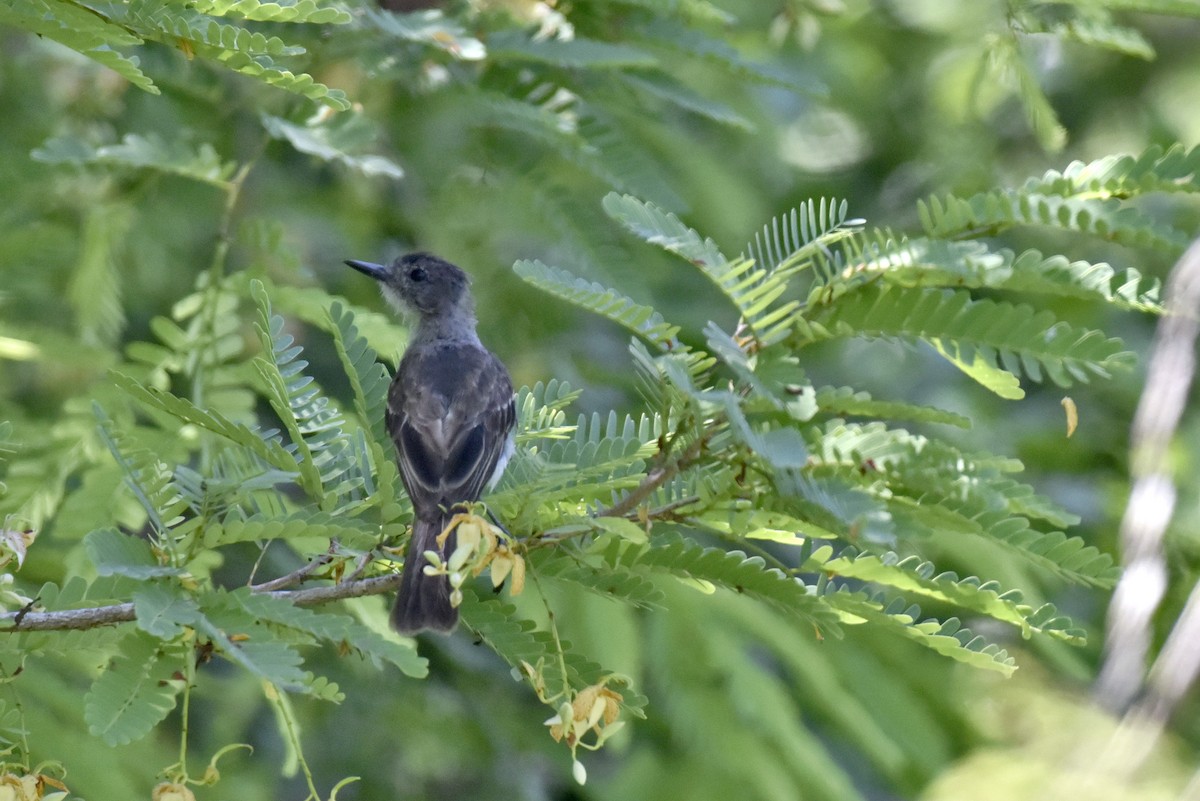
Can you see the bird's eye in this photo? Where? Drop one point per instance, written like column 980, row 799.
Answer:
column 417, row 274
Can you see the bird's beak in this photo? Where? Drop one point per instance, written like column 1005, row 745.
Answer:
column 376, row 271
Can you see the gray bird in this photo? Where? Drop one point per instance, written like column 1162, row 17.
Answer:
column 451, row 413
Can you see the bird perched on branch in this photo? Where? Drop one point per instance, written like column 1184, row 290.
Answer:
column 451, row 413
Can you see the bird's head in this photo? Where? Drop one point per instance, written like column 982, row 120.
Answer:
column 420, row 283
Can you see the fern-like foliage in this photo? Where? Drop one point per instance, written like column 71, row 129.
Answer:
column 730, row 569
column 780, row 463
column 541, row 410
column 91, row 34
column 339, row 138
column 947, row 637
column 325, row 456
column 1091, row 25
column 1124, row 176
column 146, row 152
column 296, row 525
column 309, row 11
column 745, row 502
column 752, row 289
column 983, row 335
column 578, row 52
column 557, row 669
column 179, row 25
column 265, row 445
column 639, row 319
column 337, row 629
column 914, row 576
column 791, row 241
column 922, row 261
column 992, row 212
column 135, row 692
column 844, row 401
column 149, row 478
column 102, row 32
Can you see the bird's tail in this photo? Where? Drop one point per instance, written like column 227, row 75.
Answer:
column 423, row 602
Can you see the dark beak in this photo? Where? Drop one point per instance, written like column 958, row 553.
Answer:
column 376, row 271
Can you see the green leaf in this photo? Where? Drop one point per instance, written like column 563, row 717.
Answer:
column 540, row 410
column 1153, row 170
column 747, row 575
column 163, row 610
column 997, row 210
column 1009, row 64
column 762, row 524
column 150, row 479
column 675, row 39
column 659, row 227
column 791, row 242
column 933, row 262
column 626, row 164
column 117, row 554
column 283, row 11
column 304, row 523
column 635, row 317
column 132, row 694
column 7, row 449
column 619, row 585
column 331, row 470
column 991, row 377
column 172, row 24
column 432, row 28
column 781, row 448
column 82, row 29
column 912, row 575
column 622, row 528
column 518, row 641
column 577, row 53
column 264, row 69
column 267, row 448
column 750, row 288
column 313, row 305
column 1057, row 275
column 336, row 137
column 660, row 88
column 844, row 401
column 979, row 334
column 337, row 629
column 149, row 151
column 234, row 634
column 1091, row 25
column 1068, row 557
column 947, row 638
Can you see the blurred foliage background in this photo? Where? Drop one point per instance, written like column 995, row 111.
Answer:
column 456, row 140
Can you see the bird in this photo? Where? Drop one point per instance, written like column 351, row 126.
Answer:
column 451, row 413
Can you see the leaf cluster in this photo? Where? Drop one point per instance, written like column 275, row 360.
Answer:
column 742, row 514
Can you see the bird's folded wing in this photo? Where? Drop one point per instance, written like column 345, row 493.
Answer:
column 451, row 415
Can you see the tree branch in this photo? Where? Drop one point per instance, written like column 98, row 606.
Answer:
column 653, row 480
column 75, row 619
column 296, row 576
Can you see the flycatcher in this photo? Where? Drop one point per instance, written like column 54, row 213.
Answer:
column 451, row 413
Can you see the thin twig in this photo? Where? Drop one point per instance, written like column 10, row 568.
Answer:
column 664, row 511
column 653, row 480
column 76, row 619
column 296, row 576
column 360, row 566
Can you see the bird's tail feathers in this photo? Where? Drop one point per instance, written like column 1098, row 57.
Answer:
column 423, row 602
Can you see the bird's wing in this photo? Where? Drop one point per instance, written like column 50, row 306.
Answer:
column 451, row 413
